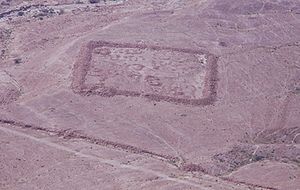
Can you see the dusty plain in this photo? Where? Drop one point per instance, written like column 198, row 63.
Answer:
column 150, row 94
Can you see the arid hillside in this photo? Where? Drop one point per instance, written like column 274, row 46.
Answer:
column 150, row 94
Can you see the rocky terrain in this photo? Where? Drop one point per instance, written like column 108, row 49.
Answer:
column 150, row 94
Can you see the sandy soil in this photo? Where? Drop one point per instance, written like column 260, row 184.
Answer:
column 148, row 94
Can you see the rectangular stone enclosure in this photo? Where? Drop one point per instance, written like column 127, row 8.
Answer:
column 158, row 73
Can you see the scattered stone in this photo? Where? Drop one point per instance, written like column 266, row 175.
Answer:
column 94, row 1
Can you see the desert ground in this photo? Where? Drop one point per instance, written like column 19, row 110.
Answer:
column 150, row 94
